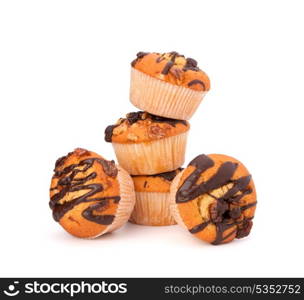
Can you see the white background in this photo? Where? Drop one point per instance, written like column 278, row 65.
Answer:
column 64, row 76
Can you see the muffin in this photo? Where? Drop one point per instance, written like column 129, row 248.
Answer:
column 152, row 206
column 146, row 144
column 214, row 198
column 89, row 195
column 167, row 84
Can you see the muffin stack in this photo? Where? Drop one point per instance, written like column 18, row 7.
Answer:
column 150, row 144
column 213, row 198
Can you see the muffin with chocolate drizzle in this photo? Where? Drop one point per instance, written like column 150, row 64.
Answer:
column 146, row 144
column 168, row 84
column 89, row 195
column 214, row 198
column 152, row 206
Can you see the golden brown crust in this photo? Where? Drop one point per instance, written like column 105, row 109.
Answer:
column 173, row 68
column 84, row 193
column 140, row 127
column 158, row 183
column 216, row 198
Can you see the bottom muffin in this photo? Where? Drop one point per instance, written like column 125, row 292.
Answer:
column 89, row 195
column 214, row 198
column 152, row 206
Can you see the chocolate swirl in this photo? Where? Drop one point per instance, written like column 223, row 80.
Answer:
column 68, row 183
column 222, row 214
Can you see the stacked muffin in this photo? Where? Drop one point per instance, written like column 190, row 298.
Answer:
column 150, row 144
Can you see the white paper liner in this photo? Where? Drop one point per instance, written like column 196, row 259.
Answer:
column 126, row 203
column 153, row 157
column 163, row 98
column 173, row 206
column 152, row 209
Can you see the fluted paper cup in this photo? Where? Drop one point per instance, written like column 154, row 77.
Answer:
column 173, row 206
column 163, row 98
column 153, row 157
column 152, row 209
column 126, row 203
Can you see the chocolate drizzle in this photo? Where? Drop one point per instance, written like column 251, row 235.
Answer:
column 171, row 62
column 188, row 190
column 248, row 206
column 134, row 117
column 172, row 122
column 61, row 160
column 160, row 58
column 220, row 229
column 139, row 55
column 90, row 213
column 109, row 132
column 197, row 81
column 167, row 67
column 199, row 227
column 225, row 213
column 109, row 167
column 191, row 64
column 67, row 183
column 169, row 176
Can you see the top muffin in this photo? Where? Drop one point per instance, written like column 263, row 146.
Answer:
column 141, row 126
column 174, row 68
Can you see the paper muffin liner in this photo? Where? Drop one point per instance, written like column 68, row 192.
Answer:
column 163, row 98
column 153, row 157
column 173, row 206
column 126, row 203
column 152, row 209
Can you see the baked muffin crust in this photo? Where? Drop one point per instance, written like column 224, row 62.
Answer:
column 174, row 68
column 139, row 127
